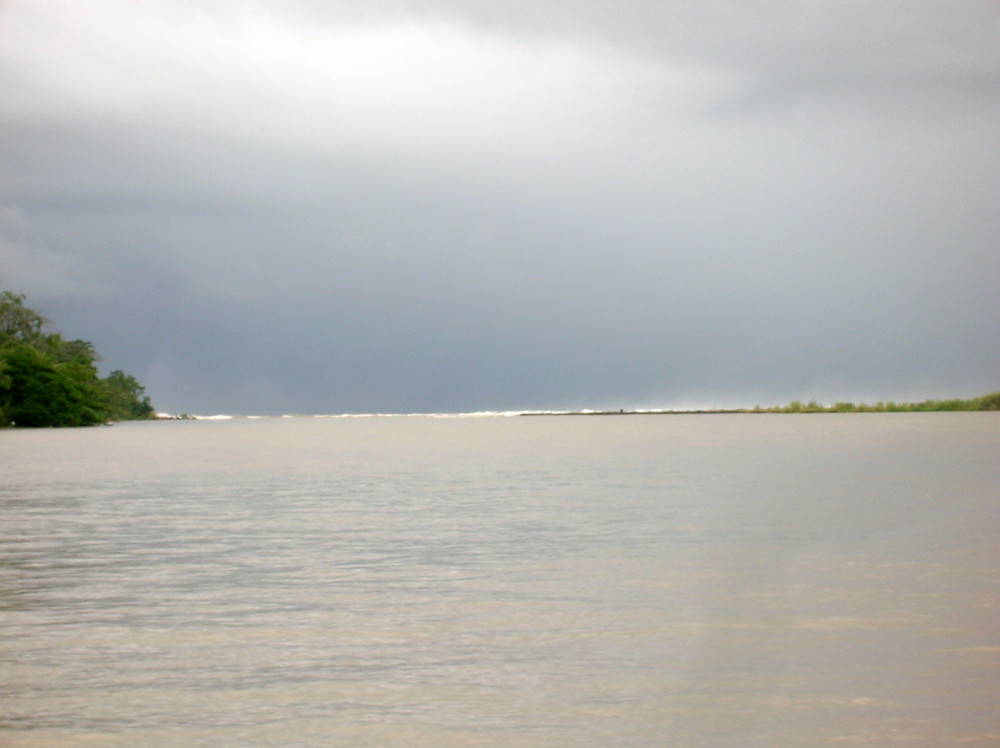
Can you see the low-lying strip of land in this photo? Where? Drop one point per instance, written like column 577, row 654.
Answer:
column 986, row 402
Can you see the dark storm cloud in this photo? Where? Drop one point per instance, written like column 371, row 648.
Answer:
column 304, row 207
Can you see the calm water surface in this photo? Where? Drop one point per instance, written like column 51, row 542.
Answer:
column 765, row 580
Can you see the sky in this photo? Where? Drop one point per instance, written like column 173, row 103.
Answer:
column 306, row 206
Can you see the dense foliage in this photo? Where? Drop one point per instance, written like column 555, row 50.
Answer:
column 48, row 381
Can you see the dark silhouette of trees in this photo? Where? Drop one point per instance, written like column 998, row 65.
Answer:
column 48, row 381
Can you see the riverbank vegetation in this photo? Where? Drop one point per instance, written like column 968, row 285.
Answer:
column 48, row 381
column 986, row 402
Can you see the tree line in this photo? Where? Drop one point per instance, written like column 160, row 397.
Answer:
column 48, row 381
column 985, row 402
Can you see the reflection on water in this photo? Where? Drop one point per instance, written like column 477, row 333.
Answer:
column 656, row 580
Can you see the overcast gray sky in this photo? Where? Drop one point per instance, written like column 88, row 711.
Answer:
column 295, row 206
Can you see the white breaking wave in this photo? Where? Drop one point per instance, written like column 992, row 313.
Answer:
column 472, row 414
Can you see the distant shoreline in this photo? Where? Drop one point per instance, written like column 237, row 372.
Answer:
column 984, row 403
column 705, row 411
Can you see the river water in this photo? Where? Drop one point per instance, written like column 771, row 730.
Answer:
column 644, row 580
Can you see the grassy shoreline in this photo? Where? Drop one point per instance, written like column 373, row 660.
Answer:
column 985, row 402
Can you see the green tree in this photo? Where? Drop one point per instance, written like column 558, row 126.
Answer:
column 988, row 402
column 48, row 381
column 125, row 397
column 39, row 394
column 18, row 324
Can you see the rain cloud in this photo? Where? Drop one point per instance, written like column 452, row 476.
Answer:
column 278, row 207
